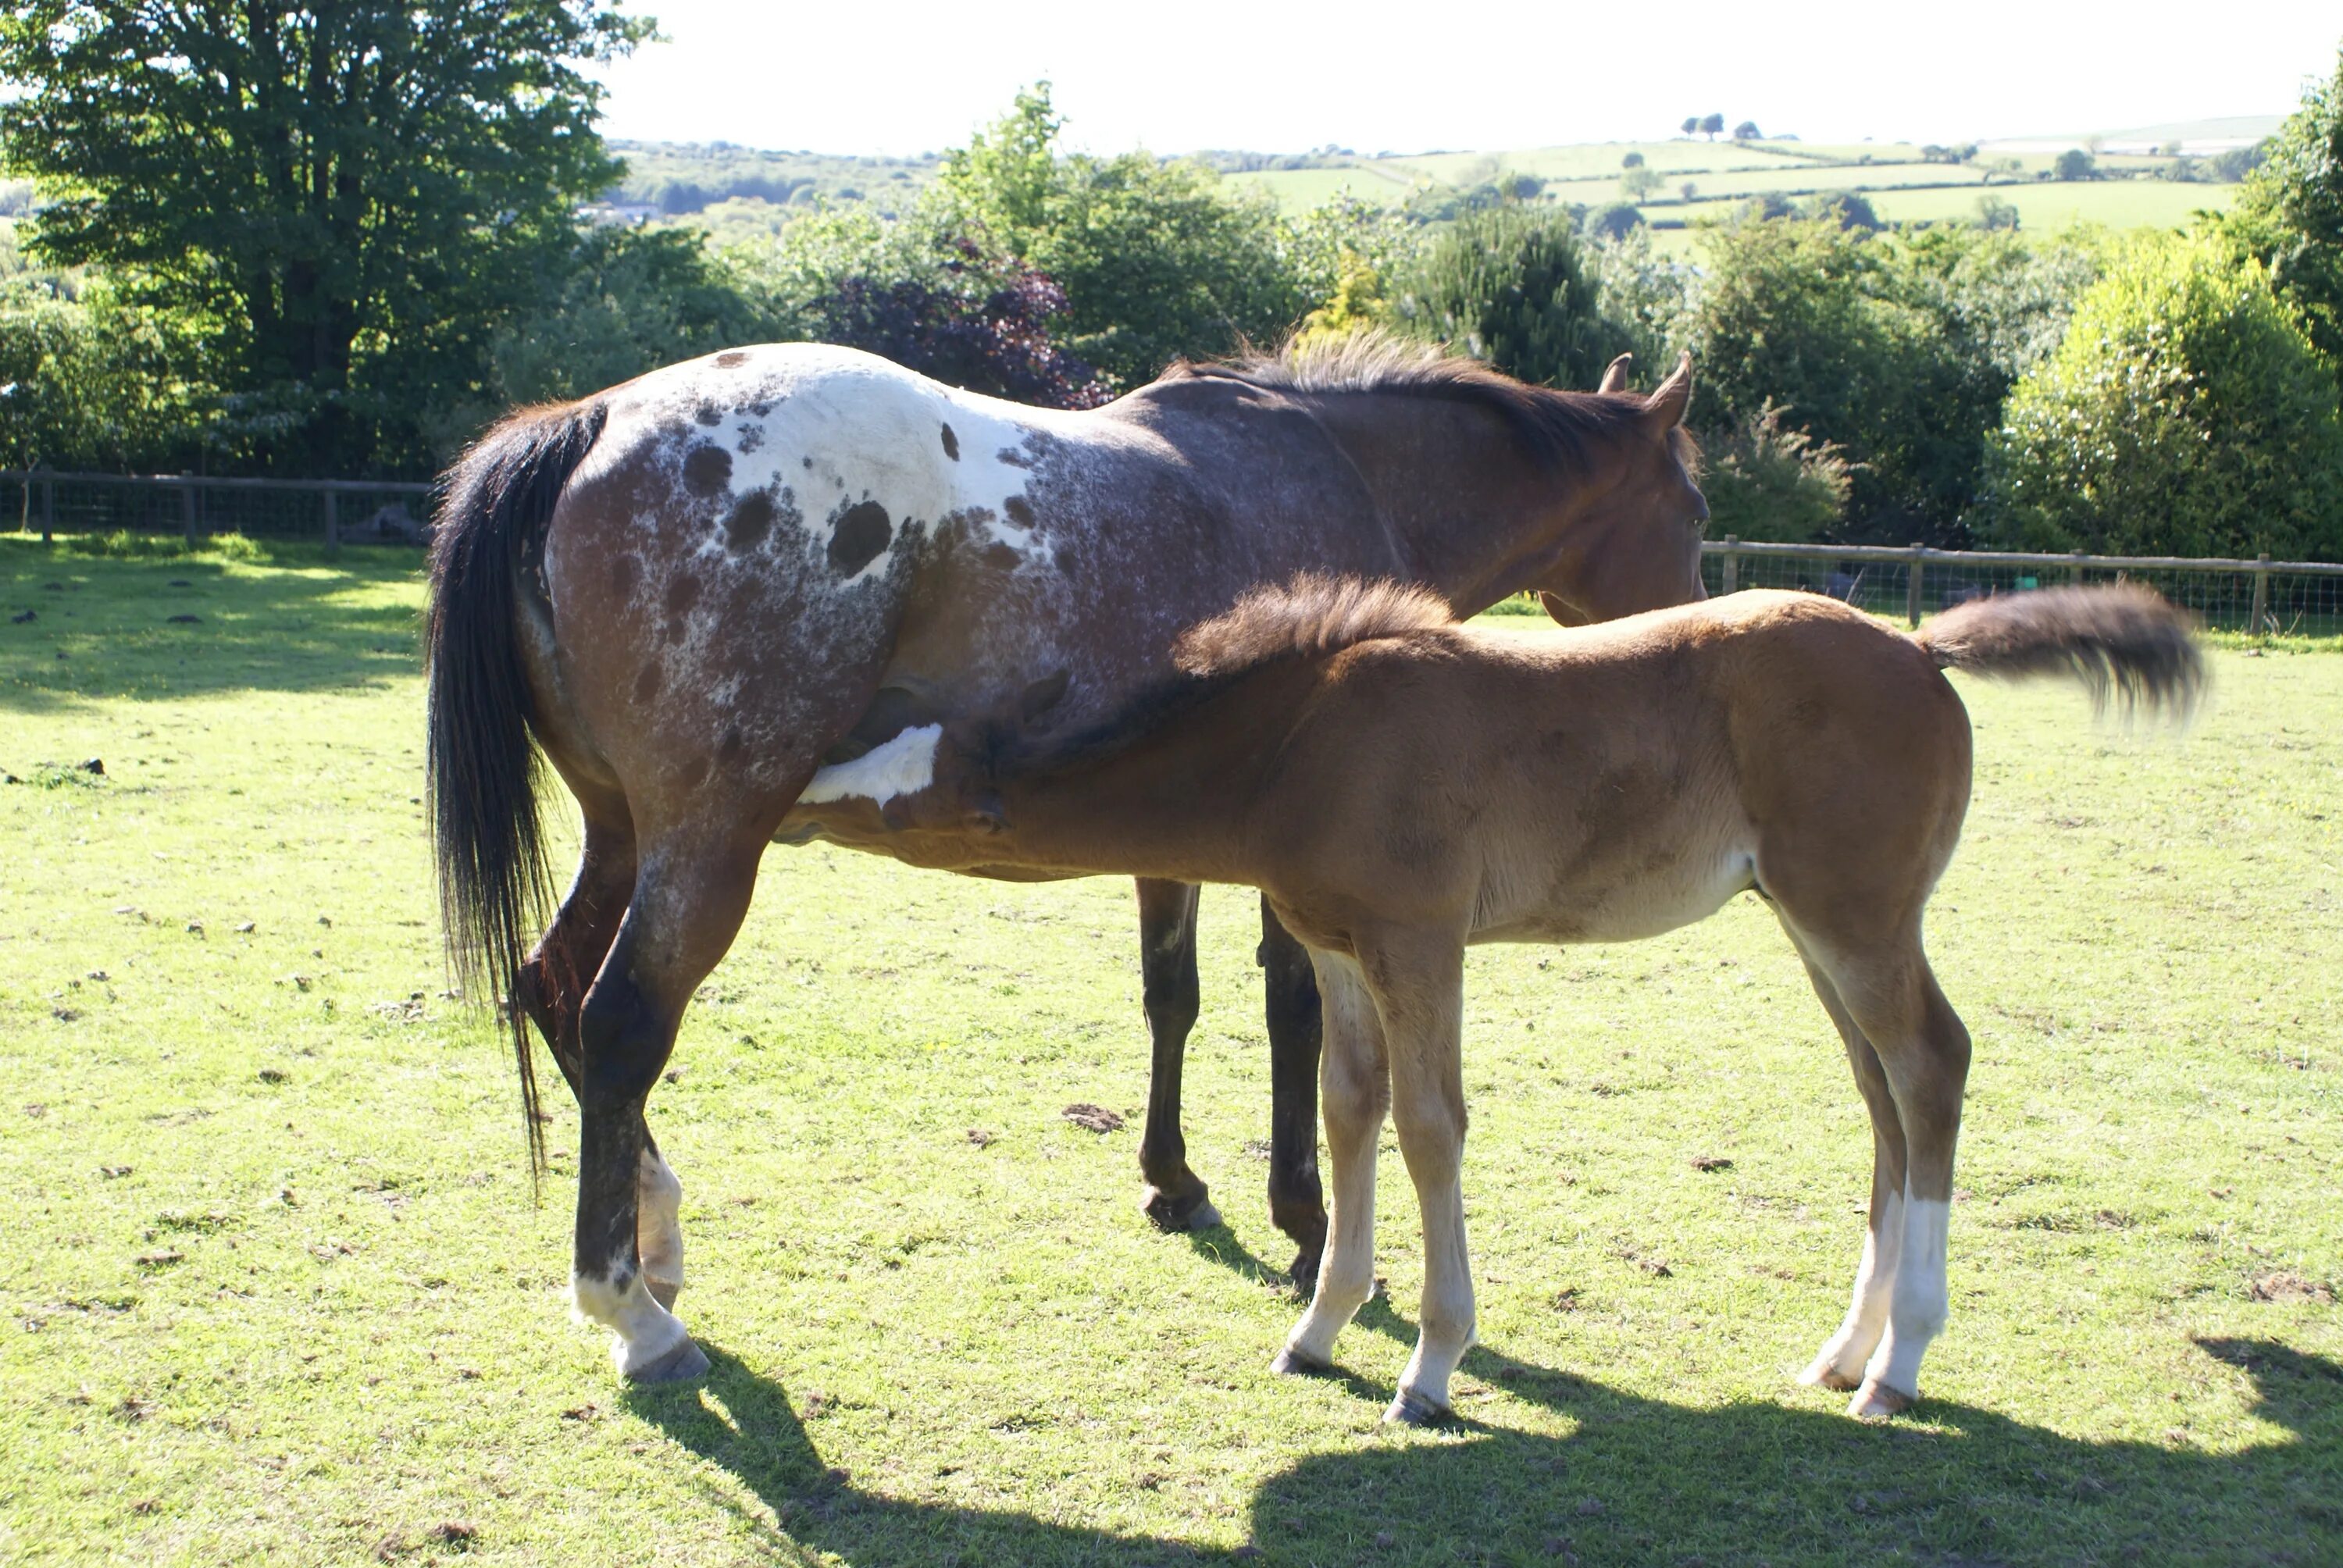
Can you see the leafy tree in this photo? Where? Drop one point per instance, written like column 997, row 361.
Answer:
column 353, row 192
column 2289, row 217
column 1356, row 304
column 1513, row 285
column 1993, row 212
column 1691, row 126
column 1614, row 221
column 632, row 299
column 1765, row 479
column 993, row 340
column 1688, row 190
column 1712, row 126
column 2075, row 163
column 1747, row 131
column 1848, row 209
column 1156, row 259
column 2184, row 412
column 1639, row 184
column 1632, row 161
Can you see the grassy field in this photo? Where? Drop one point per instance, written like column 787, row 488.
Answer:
column 281, row 1294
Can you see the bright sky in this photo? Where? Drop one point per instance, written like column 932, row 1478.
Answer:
column 1270, row 76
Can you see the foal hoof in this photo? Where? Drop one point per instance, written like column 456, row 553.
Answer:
column 1412, row 1409
column 1825, row 1373
column 685, row 1363
column 663, row 1292
column 1290, row 1363
column 1874, row 1401
column 1174, row 1214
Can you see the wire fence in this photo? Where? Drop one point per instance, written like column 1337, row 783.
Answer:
column 330, row 512
column 2271, row 599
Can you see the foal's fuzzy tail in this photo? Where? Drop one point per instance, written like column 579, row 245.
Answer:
column 482, row 767
column 2119, row 639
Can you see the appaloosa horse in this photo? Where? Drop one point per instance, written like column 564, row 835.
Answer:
column 1400, row 786
column 735, row 601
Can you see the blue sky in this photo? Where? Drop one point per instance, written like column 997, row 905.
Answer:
column 908, row 76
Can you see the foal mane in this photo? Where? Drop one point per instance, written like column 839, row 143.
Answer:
column 1555, row 425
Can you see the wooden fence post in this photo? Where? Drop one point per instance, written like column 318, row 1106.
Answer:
column 189, row 529
column 1732, row 563
column 333, row 527
column 1912, row 586
column 2261, row 595
column 48, row 508
column 2075, row 573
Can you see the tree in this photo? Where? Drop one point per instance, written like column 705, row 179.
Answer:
column 1993, row 212
column 1712, row 126
column 1848, row 209
column 1639, row 184
column 1513, row 285
column 2289, row 217
column 1688, row 190
column 1767, row 480
column 1747, row 131
column 1614, row 221
column 354, row 194
column 2075, row 163
column 1691, row 126
column 2185, row 412
column 1632, row 161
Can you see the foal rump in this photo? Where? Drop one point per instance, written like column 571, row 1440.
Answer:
column 2118, row 639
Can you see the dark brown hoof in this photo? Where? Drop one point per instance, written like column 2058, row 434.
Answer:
column 1410, row 1409
column 685, row 1363
column 663, row 1292
column 1290, row 1363
column 1305, row 1271
column 1179, row 1211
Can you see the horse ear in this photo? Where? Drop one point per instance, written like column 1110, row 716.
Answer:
column 1664, row 409
column 1615, row 379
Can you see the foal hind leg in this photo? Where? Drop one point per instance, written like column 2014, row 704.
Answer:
column 1923, row 1052
column 1356, row 1081
column 1297, row 1203
column 1839, row 1365
column 1173, row 1197
column 688, row 906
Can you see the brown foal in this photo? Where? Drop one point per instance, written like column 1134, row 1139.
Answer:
column 1400, row 786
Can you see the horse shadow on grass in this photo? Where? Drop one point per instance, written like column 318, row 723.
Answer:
column 1635, row 1480
column 78, row 628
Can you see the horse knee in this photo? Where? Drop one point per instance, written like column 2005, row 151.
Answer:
column 623, row 1041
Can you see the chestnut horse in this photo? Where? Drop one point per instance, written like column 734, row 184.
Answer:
column 735, row 601
column 1400, row 786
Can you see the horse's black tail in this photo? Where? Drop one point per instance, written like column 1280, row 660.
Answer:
column 2119, row 638
column 482, row 768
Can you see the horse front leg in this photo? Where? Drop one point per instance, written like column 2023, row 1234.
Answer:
column 1174, row 1197
column 1297, row 1203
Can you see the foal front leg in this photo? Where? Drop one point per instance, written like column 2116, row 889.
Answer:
column 1356, row 1081
column 1297, row 1203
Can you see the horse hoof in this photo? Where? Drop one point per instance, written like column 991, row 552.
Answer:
column 1290, row 1363
column 685, row 1363
column 1877, row 1401
column 1305, row 1271
column 1412, row 1409
column 663, row 1292
column 1175, row 1214
column 1825, row 1373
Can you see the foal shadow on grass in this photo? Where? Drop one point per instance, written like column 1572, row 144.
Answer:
column 1633, row 1480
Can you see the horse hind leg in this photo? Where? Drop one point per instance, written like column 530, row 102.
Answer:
column 1174, row 1198
column 688, row 906
column 1923, row 1052
column 1839, row 1364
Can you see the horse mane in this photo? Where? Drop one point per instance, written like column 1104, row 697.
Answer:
column 1556, row 425
column 1310, row 618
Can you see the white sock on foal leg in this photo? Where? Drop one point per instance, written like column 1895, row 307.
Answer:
column 643, row 1334
column 1841, row 1361
column 1915, row 1314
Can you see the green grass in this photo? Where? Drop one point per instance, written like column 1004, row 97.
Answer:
column 280, row 1293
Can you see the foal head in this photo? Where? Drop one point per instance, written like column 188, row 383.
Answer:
column 1634, row 543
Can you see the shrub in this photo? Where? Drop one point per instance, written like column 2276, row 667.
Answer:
column 2185, row 413
column 1514, row 286
column 1767, row 480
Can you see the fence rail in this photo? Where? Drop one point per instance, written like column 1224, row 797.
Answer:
column 2274, row 598
column 198, row 505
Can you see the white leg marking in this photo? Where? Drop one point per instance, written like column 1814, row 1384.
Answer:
column 903, row 766
column 642, row 1331
column 1351, row 1092
column 1841, row 1361
column 659, row 1230
column 1917, row 1312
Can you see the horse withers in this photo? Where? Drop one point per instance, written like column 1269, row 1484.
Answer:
column 1400, row 787
column 737, row 600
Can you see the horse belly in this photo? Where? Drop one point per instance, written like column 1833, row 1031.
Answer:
column 1627, row 896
